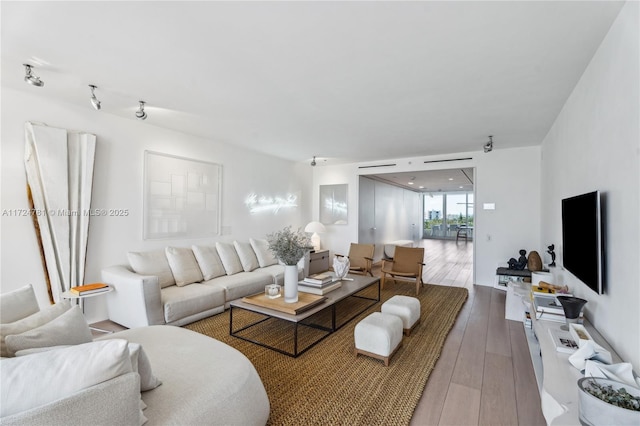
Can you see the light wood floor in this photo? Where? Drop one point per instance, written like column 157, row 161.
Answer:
column 484, row 375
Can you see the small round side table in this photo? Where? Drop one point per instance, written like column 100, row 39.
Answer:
column 79, row 300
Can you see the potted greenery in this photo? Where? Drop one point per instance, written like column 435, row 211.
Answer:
column 604, row 401
column 289, row 247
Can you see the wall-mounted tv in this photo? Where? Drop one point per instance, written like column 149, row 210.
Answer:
column 582, row 239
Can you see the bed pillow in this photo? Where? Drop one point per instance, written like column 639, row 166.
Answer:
column 35, row 380
column 32, row 321
column 229, row 258
column 209, row 261
column 152, row 263
column 264, row 255
column 70, row 328
column 183, row 265
column 247, row 256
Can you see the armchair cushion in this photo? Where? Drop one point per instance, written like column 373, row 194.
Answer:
column 70, row 328
column 184, row 266
column 209, row 262
column 152, row 263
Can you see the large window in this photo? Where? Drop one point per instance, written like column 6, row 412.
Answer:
column 445, row 213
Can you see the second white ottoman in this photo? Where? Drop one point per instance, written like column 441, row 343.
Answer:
column 379, row 336
column 407, row 308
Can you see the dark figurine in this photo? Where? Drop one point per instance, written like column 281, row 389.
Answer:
column 519, row 264
column 553, row 254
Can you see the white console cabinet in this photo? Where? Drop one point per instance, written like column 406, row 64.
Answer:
column 558, row 381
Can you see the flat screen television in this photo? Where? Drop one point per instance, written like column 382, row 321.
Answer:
column 582, row 239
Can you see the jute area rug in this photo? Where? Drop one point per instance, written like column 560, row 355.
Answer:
column 328, row 385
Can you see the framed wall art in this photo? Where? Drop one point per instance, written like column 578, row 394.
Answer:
column 333, row 204
column 182, row 197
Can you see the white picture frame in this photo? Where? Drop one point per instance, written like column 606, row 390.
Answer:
column 182, row 197
column 334, row 206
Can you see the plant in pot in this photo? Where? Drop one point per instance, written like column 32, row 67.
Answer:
column 604, row 401
column 289, row 247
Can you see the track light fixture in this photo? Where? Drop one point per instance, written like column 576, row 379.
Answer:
column 140, row 114
column 488, row 147
column 313, row 162
column 94, row 101
column 31, row 78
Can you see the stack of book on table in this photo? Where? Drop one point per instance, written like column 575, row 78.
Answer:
column 320, row 284
column 548, row 308
column 87, row 289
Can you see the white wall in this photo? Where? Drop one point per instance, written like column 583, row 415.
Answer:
column 118, row 183
column 594, row 144
column 509, row 178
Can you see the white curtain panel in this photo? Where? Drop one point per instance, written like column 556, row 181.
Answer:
column 59, row 166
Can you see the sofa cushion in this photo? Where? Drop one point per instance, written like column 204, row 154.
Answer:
column 152, row 263
column 209, row 261
column 139, row 362
column 18, row 304
column 184, row 266
column 32, row 321
column 38, row 379
column 247, row 256
column 241, row 284
column 229, row 258
column 181, row 302
column 264, row 255
column 70, row 328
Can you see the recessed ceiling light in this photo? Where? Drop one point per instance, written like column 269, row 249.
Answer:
column 461, row 187
column 410, row 183
column 421, row 187
column 450, row 178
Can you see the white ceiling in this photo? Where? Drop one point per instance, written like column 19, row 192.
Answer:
column 346, row 81
column 431, row 181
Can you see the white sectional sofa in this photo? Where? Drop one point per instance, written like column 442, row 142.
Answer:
column 180, row 285
column 54, row 374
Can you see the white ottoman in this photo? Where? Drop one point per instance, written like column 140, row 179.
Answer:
column 378, row 336
column 405, row 307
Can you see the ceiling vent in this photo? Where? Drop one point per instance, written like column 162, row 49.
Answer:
column 377, row 165
column 451, row 159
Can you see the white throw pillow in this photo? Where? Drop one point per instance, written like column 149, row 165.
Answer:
column 139, row 363
column 209, row 261
column 247, row 256
column 142, row 366
column 18, row 304
column 32, row 321
column 229, row 258
column 152, row 263
column 264, row 255
column 183, row 265
column 70, row 328
column 38, row 379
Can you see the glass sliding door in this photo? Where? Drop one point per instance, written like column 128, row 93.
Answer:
column 446, row 213
column 433, row 216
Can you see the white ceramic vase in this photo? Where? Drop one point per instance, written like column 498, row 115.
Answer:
column 290, row 283
column 341, row 266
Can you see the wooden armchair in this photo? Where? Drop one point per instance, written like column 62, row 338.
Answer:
column 360, row 258
column 406, row 266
